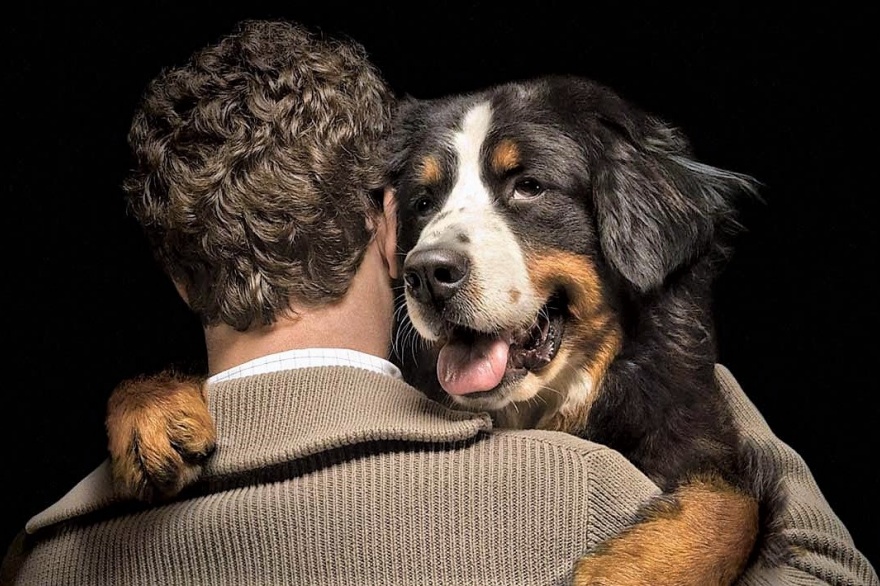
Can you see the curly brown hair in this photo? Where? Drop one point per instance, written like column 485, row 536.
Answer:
column 257, row 166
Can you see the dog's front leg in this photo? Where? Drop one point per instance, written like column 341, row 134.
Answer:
column 160, row 433
column 702, row 535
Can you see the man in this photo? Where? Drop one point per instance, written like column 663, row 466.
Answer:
column 259, row 185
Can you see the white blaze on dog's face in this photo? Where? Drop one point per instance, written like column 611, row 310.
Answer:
column 498, row 289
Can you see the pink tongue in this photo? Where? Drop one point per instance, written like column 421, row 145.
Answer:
column 470, row 368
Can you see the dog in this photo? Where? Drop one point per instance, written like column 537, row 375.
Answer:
column 558, row 249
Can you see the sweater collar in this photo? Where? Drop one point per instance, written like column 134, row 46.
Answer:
column 282, row 416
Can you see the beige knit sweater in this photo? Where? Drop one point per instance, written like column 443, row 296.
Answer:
column 342, row 476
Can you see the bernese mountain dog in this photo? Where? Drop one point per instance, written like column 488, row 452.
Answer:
column 560, row 247
column 558, row 252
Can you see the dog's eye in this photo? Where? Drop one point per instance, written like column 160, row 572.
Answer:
column 423, row 205
column 527, row 188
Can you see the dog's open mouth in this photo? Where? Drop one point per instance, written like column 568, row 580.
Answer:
column 473, row 362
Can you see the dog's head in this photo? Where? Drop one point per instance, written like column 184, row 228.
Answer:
column 527, row 212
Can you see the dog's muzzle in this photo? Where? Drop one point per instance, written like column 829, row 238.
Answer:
column 478, row 351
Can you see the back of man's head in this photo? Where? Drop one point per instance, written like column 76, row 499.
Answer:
column 257, row 162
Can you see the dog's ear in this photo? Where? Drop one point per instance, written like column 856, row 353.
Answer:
column 657, row 207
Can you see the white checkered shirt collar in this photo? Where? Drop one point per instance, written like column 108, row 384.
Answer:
column 307, row 358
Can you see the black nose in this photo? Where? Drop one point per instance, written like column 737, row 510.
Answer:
column 435, row 274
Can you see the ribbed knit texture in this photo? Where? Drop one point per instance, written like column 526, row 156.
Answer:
column 825, row 553
column 341, row 476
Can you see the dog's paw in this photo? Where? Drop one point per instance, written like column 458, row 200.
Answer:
column 160, row 434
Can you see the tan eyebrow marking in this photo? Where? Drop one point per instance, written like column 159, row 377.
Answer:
column 505, row 156
column 430, row 171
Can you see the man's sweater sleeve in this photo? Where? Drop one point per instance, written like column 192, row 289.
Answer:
column 822, row 550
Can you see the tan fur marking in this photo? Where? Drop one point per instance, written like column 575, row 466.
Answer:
column 701, row 538
column 505, row 156
column 430, row 170
column 152, row 423
column 513, row 295
column 593, row 334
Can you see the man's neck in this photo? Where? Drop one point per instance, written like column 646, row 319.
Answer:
column 360, row 321
column 231, row 348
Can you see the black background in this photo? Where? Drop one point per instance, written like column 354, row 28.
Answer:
column 778, row 95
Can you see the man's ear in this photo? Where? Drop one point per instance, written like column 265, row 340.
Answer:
column 386, row 231
column 181, row 290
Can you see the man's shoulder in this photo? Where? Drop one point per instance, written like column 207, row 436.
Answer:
column 566, row 458
column 94, row 492
column 552, row 440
